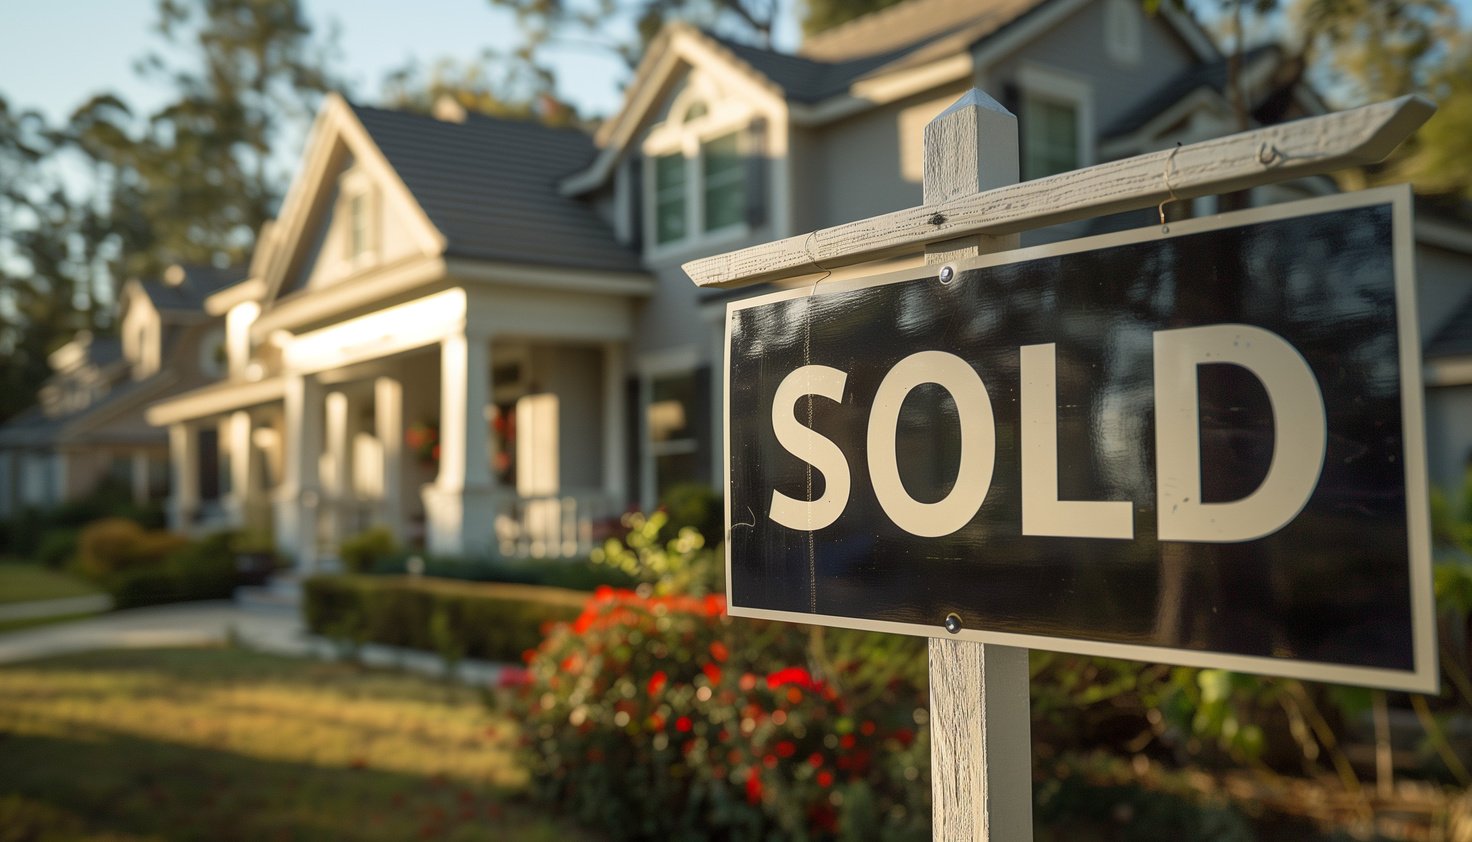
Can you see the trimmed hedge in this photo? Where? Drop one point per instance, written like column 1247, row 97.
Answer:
column 486, row 621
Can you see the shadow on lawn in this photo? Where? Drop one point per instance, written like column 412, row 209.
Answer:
column 118, row 784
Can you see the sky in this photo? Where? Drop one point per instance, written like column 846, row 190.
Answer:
column 55, row 53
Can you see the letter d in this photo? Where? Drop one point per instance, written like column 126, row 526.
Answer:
column 1299, row 432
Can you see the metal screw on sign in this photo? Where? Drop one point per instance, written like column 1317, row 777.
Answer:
column 953, row 622
column 947, row 274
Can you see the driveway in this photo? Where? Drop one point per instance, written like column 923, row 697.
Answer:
column 185, row 624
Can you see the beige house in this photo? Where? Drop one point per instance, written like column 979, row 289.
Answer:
column 87, row 427
column 513, row 292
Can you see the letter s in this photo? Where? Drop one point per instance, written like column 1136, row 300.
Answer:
column 811, row 447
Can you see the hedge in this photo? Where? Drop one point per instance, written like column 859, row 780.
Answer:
column 487, row 621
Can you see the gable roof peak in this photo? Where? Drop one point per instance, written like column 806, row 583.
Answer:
column 908, row 23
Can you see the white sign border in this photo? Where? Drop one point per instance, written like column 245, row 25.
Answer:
column 1423, row 678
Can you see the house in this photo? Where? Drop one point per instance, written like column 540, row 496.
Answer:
column 88, row 426
column 476, row 332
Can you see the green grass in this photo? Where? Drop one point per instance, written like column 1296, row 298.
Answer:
column 31, row 583
column 220, row 744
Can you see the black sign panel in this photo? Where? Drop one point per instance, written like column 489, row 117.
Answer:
column 1201, row 446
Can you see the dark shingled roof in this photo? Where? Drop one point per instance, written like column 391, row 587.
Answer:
column 1212, row 75
column 200, row 282
column 1455, row 337
column 491, row 188
column 102, row 351
column 803, row 79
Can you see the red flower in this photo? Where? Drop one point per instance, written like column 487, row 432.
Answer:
column 683, row 725
column 513, row 677
column 748, row 681
column 846, row 741
column 825, row 779
column 712, row 672
column 867, row 728
column 790, row 675
column 786, row 748
column 718, row 651
column 815, row 760
column 753, row 787
column 657, row 682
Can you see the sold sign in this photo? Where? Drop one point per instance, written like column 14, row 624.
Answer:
column 1201, row 446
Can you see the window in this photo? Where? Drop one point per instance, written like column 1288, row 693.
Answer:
column 1050, row 133
column 669, row 198
column 1057, row 121
column 357, row 225
column 697, row 169
column 673, row 444
column 722, row 170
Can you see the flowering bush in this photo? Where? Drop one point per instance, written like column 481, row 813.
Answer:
column 661, row 717
column 423, row 440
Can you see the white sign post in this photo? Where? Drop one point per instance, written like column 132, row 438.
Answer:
column 973, row 205
column 980, row 726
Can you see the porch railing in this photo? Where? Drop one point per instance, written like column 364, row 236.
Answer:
column 554, row 526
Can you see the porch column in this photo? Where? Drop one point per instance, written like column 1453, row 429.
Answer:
column 237, row 454
column 299, row 494
column 338, row 482
column 460, row 505
column 184, row 462
column 388, row 419
column 139, row 477
column 615, row 418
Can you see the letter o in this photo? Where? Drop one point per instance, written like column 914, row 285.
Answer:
column 978, row 444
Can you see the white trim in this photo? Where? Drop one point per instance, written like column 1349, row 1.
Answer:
column 251, row 289
column 1443, row 234
column 1050, row 84
column 217, row 399
column 392, row 330
column 551, row 277
column 1422, row 678
column 384, row 282
column 1448, row 371
column 883, row 89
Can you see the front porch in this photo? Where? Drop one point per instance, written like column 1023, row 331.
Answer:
column 464, row 430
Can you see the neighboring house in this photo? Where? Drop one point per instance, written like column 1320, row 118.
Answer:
column 516, row 289
column 88, row 425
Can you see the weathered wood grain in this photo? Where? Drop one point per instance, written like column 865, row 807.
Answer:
column 980, row 730
column 1291, row 150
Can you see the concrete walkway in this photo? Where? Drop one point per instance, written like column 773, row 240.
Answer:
column 213, row 623
column 44, row 608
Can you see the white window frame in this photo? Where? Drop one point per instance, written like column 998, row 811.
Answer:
column 1123, row 33
column 682, row 135
column 1035, row 81
column 357, row 187
column 651, row 366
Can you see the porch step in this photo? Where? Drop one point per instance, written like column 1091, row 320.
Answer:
column 281, row 593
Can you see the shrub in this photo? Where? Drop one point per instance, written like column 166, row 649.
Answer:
column 58, row 547
column 680, row 565
column 362, row 551
column 577, row 575
column 195, row 570
column 495, row 622
column 118, row 545
column 696, row 506
column 660, row 717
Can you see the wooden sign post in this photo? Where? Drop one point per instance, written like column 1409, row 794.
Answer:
column 889, row 561
column 980, row 726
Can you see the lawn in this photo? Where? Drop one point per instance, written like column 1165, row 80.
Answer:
column 220, row 744
column 30, row 583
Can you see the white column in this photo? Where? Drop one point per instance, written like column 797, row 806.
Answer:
column 184, row 463
column 388, row 419
column 615, row 421
column 460, row 506
column 299, row 494
column 237, row 455
column 338, row 482
column 140, row 477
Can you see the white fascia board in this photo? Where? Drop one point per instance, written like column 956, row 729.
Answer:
column 881, row 90
column 551, row 277
column 385, row 282
column 251, row 289
column 215, row 400
column 392, row 330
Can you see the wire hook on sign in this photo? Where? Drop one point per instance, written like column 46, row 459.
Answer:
column 1170, row 166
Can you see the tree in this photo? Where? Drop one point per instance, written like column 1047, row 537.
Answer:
column 597, row 23
column 819, row 15
column 496, row 84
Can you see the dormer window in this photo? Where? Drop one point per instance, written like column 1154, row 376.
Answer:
column 699, row 179
column 357, row 226
column 1056, row 121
